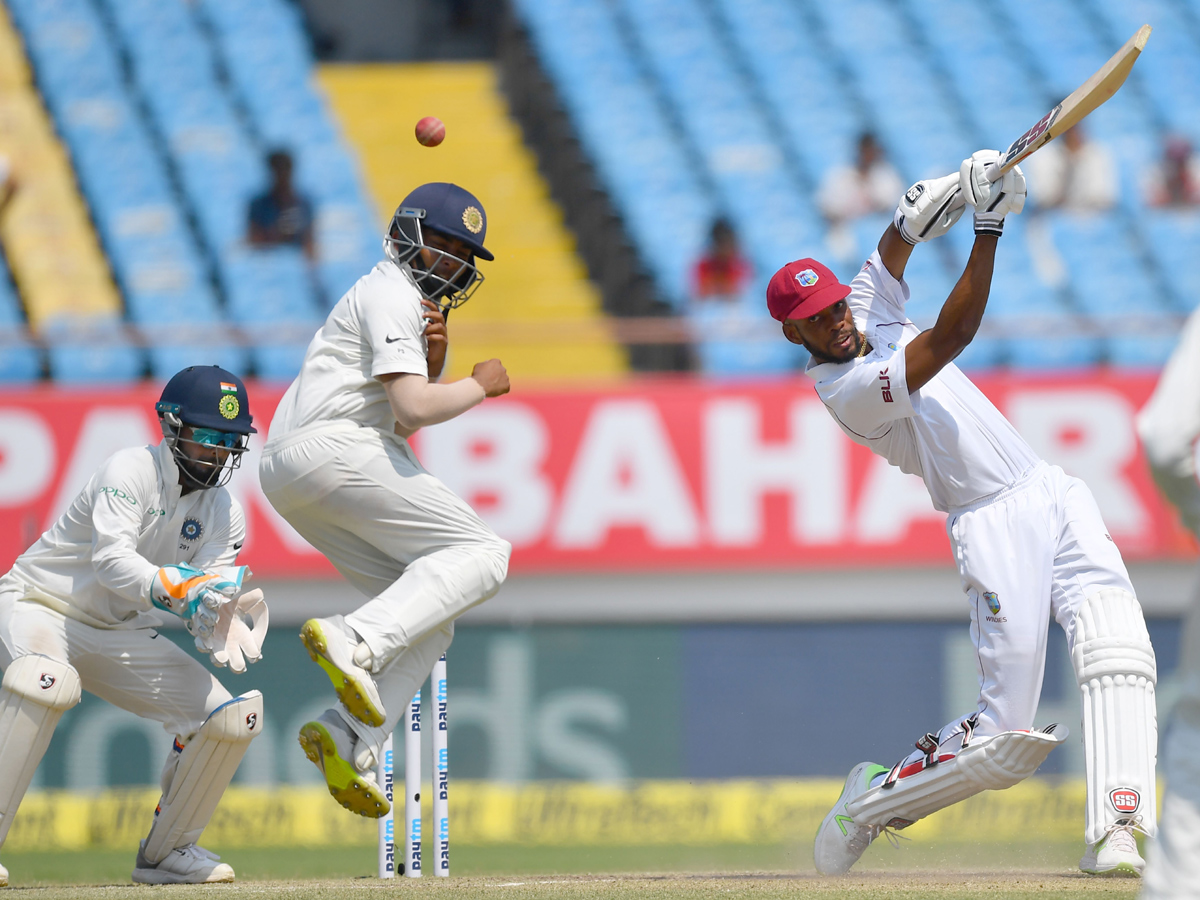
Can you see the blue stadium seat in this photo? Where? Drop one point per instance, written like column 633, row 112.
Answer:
column 82, row 352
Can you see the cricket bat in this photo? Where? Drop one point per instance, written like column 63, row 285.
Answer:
column 1085, row 98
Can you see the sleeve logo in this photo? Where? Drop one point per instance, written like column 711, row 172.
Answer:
column 886, row 386
column 118, row 494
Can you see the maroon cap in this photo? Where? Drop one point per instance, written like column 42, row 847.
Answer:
column 803, row 288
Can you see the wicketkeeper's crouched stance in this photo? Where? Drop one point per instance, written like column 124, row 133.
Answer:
column 153, row 529
column 1028, row 540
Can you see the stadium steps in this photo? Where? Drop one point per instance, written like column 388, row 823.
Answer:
column 537, row 312
column 48, row 238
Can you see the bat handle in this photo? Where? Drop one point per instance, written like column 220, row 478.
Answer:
column 993, row 172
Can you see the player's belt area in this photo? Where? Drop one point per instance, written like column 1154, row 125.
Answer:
column 914, row 790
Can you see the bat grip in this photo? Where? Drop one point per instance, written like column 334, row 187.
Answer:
column 993, row 172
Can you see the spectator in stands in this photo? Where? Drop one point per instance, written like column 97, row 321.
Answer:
column 281, row 215
column 1175, row 181
column 870, row 185
column 722, row 273
column 1074, row 174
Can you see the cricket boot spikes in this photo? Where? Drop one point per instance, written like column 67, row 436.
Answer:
column 840, row 842
column 1117, row 852
column 330, row 745
column 332, row 644
column 191, row 864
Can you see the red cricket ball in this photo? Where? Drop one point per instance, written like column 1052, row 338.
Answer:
column 430, row 131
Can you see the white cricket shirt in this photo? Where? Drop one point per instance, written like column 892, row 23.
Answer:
column 948, row 432
column 95, row 563
column 375, row 329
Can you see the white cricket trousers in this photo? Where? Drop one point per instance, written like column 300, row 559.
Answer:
column 133, row 668
column 400, row 536
column 1035, row 550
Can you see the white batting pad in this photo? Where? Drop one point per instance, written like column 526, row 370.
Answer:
column 986, row 764
column 36, row 691
column 205, row 768
column 1114, row 665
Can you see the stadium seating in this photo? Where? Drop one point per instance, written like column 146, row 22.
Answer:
column 755, row 101
column 54, row 256
column 537, row 311
column 687, row 109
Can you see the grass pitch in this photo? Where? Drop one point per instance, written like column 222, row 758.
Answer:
column 915, row 871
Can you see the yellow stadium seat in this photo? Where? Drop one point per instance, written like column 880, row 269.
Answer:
column 537, row 311
column 52, row 249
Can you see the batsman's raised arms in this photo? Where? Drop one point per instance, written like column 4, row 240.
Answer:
column 1085, row 98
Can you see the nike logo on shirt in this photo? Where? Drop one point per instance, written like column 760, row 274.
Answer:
column 392, row 340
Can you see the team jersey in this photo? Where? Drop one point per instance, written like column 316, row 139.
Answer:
column 948, row 432
column 375, row 329
column 96, row 562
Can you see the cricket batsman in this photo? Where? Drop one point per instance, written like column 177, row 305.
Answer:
column 1169, row 426
column 154, row 530
column 338, row 466
column 1027, row 538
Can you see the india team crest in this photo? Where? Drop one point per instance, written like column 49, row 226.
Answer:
column 228, row 406
column 993, row 602
column 473, row 219
column 192, row 529
column 807, row 278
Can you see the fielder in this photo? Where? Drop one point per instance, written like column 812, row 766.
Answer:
column 153, row 529
column 1028, row 540
column 338, row 467
column 1169, row 426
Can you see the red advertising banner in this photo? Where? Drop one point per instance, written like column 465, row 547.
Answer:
column 654, row 474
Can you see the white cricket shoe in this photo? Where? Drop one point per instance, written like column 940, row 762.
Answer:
column 3, row 876
column 183, row 865
column 840, row 842
column 1116, row 853
column 332, row 648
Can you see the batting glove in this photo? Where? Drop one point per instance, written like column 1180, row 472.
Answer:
column 992, row 200
column 929, row 208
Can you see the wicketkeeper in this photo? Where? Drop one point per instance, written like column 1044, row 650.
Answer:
column 153, row 530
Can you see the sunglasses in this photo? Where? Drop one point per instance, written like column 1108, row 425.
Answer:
column 210, row 437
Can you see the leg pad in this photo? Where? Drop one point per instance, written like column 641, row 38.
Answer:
column 986, row 764
column 34, row 694
column 193, row 786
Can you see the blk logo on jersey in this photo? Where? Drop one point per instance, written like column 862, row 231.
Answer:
column 807, row 278
column 886, row 387
column 46, row 681
column 192, row 529
column 1125, row 800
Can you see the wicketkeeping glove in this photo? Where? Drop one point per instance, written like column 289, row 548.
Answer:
column 194, row 595
column 992, row 200
column 238, row 636
column 929, row 208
